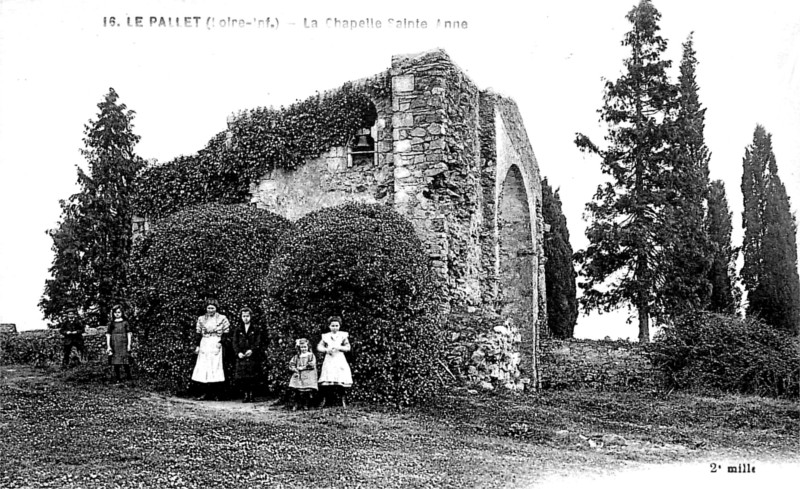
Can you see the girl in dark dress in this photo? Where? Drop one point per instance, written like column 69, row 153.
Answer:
column 118, row 342
column 246, row 345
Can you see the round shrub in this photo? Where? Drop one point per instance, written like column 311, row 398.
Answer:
column 213, row 250
column 362, row 262
column 706, row 351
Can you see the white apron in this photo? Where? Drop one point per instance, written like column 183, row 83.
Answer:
column 209, row 360
column 335, row 370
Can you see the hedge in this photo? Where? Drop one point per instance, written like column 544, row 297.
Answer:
column 707, row 351
column 212, row 250
column 365, row 263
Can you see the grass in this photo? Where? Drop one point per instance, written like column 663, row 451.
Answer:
column 78, row 430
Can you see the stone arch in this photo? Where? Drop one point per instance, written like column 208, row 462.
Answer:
column 516, row 246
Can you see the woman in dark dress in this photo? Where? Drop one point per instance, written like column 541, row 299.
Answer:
column 246, row 346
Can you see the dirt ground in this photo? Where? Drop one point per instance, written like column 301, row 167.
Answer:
column 61, row 432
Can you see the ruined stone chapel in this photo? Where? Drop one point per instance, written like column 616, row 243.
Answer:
column 456, row 161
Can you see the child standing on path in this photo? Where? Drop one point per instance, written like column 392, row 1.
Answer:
column 304, row 378
column 118, row 342
column 72, row 330
column 335, row 375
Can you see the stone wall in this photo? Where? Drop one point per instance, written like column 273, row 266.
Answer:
column 424, row 154
column 574, row 364
column 484, row 350
column 514, row 128
column 325, row 181
column 44, row 347
column 458, row 187
column 512, row 239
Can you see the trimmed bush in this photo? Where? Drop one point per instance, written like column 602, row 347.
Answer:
column 362, row 262
column 213, row 250
column 706, row 351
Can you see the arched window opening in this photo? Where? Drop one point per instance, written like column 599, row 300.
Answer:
column 361, row 148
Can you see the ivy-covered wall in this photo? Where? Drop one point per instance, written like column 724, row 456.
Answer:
column 255, row 143
column 333, row 178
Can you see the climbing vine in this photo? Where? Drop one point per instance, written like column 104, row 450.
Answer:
column 256, row 142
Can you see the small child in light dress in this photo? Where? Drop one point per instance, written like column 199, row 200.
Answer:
column 335, row 375
column 304, row 376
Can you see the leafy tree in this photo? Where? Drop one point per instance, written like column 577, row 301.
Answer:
column 724, row 295
column 770, row 245
column 685, row 246
column 67, row 271
column 560, row 276
column 622, row 262
column 93, row 240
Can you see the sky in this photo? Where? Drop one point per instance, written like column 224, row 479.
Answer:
column 58, row 59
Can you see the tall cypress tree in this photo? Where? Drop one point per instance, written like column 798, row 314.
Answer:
column 621, row 265
column 686, row 248
column 69, row 277
column 562, row 301
column 722, row 275
column 93, row 240
column 770, row 245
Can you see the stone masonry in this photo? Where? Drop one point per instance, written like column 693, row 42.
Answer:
column 455, row 161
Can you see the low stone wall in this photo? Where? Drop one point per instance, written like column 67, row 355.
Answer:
column 484, row 353
column 44, row 347
column 574, row 364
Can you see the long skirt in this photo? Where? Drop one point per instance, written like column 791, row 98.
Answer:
column 209, row 361
column 119, row 350
column 247, row 369
column 335, row 370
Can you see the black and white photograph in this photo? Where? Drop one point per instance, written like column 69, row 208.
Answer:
column 398, row 245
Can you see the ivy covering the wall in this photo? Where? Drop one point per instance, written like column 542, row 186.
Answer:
column 256, row 142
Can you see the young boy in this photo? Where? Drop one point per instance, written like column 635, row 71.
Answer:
column 72, row 330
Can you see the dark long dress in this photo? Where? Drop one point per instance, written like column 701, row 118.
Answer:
column 248, row 369
column 118, row 330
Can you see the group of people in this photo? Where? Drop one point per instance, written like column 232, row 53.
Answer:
column 119, row 339
column 333, row 381
column 334, row 378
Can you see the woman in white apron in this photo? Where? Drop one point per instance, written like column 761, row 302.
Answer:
column 208, row 370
